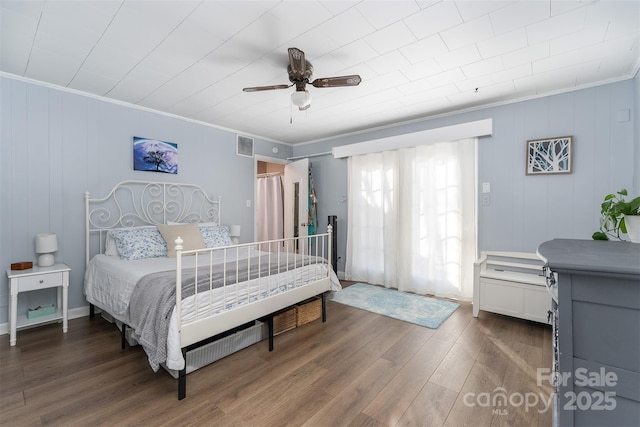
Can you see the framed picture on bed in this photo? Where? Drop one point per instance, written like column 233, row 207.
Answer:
column 154, row 155
column 549, row 155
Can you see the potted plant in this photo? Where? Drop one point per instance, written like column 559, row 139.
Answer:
column 617, row 215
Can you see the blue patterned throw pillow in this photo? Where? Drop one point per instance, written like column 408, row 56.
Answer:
column 139, row 243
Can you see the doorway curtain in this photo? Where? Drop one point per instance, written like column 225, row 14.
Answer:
column 411, row 219
column 270, row 210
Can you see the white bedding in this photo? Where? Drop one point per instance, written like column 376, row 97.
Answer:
column 109, row 283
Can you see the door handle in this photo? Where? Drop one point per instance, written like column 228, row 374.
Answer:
column 304, row 224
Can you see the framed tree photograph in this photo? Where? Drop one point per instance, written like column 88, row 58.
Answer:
column 549, row 155
column 155, row 156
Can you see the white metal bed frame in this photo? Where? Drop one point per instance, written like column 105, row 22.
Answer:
column 137, row 203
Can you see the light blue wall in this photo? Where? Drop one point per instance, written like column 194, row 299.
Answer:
column 56, row 145
column 524, row 210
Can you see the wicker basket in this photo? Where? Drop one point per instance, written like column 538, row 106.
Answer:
column 284, row 321
column 309, row 311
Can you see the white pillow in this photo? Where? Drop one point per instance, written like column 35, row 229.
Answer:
column 190, row 234
column 110, row 248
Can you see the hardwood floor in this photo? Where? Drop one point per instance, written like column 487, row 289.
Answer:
column 358, row 369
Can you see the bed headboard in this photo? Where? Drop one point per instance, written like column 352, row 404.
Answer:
column 136, row 203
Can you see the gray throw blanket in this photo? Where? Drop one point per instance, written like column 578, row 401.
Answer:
column 154, row 296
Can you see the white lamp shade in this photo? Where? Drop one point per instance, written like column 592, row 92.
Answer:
column 235, row 231
column 46, row 243
column 301, row 98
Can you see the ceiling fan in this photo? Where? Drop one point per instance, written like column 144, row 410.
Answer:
column 300, row 71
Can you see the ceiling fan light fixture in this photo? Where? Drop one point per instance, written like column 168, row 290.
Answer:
column 301, row 98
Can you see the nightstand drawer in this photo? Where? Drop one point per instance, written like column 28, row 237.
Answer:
column 40, row 281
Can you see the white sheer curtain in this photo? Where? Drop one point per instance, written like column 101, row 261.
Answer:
column 269, row 201
column 411, row 219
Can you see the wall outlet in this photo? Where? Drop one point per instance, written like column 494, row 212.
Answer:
column 486, row 199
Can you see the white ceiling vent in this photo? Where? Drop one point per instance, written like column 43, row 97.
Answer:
column 244, row 146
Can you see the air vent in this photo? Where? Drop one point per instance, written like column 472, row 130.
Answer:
column 244, row 146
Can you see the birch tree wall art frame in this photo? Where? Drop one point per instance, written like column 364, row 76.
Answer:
column 549, row 155
column 155, row 156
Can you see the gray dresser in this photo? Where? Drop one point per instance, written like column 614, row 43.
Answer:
column 597, row 317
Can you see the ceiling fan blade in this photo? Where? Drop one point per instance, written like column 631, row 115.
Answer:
column 297, row 63
column 353, row 80
column 261, row 88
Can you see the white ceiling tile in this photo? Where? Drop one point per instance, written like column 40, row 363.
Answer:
column 90, row 82
column 473, row 9
column 133, row 90
column 427, row 3
column 18, row 22
column 508, row 75
column 607, row 70
column 484, row 94
column 608, row 50
column 353, row 54
column 625, row 20
column 73, row 42
column 556, row 26
column 14, row 54
column 548, row 81
column 558, row 7
column 301, row 16
column 337, row 7
column 519, row 15
column 390, row 38
column 416, row 86
column 507, row 42
column 446, row 78
column 578, row 40
column 90, row 16
column 385, row 12
column 484, row 67
column 458, row 57
column 392, row 79
column 422, row 69
column 110, row 61
column 389, row 62
column 426, row 48
column 347, row 27
column 434, row 19
column 51, row 67
column 470, row 32
column 439, row 92
column 526, row 55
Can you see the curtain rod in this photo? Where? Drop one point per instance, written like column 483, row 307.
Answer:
column 267, row 174
column 310, row 155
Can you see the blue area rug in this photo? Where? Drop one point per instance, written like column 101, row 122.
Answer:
column 413, row 308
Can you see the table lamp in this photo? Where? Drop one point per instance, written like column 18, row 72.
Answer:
column 46, row 244
column 235, row 234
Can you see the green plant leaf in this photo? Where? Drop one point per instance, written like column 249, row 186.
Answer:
column 599, row 235
column 623, row 192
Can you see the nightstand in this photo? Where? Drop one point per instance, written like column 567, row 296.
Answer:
column 56, row 276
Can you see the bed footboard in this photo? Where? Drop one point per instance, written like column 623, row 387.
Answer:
column 261, row 285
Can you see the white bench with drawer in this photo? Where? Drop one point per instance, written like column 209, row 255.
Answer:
column 511, row 283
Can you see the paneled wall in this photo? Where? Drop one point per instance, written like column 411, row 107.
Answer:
column 56, row 145
column 524, row 210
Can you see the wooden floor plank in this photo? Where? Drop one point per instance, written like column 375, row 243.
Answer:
column 358, row 368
